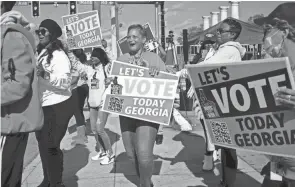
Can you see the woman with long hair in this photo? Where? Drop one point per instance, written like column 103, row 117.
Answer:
column 97, row 75
column 82, row 90
column 138, row 135
column 54, row 71
column 279, row 41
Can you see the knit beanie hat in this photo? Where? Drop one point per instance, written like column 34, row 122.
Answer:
column 53, row 28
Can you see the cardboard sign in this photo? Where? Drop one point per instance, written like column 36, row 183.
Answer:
column 123, row 45
column 239, row 107
column 82, row 30
column 149, row 45
column 140, row 96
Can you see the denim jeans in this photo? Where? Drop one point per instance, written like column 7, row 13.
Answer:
column 98, row 120
column 78, row 111
column 82, row 94
column 139, row 139
column 56, row 120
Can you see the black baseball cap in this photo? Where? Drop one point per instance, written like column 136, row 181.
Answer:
column 285, row 11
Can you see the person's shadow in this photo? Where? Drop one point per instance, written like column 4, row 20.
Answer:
column 126, row 167
column 192, row 155
column 74, row 160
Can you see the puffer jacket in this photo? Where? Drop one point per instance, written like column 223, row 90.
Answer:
column 21, row 109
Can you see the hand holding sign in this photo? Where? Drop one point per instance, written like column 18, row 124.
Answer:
column 108, row 81
column 153, row 71
column 286, row 97
column 198, row 111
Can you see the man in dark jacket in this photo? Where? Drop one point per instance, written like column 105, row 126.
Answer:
column 21, row 111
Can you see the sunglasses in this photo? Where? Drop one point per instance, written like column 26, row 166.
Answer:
column 41, row 31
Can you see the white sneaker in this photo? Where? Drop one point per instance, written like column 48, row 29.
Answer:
column 208, row 163
column 100, row 155
column 108, row 159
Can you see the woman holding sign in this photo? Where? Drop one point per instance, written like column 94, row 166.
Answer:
column 279, row 41
column 97, row 75
column 228, row 51
column 139, row 136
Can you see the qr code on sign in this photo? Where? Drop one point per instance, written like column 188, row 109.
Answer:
column 115, row 104
column 220, row 132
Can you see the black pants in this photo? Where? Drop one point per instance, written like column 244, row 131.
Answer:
column 56, row 120
column 229, row 165
column 13, row 153
column 82, row 94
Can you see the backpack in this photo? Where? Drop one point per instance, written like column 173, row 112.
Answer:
column 26, row 114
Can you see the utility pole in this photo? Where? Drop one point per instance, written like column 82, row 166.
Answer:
column 185, row 48
column 162, row 24
column 117, row 25
column 96, row 5
column 114, row 30
column 157, row 19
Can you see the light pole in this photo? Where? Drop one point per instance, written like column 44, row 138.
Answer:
column 96, row 5
column 117, row 25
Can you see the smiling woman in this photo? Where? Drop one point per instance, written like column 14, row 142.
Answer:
column 54, row 75
column 134, row 130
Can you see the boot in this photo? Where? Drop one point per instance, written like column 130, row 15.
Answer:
column 208, row 163
column 81, row 137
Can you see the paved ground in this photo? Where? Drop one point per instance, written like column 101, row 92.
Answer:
column 178, row 163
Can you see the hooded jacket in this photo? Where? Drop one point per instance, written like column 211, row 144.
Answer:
column 20, row 102
column 227, row 52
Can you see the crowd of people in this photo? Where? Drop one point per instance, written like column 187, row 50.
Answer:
column 45, row 85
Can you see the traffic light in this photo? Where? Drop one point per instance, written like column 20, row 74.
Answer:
column 73, row 7
column 36, row 8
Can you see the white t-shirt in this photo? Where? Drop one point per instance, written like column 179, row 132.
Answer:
column 95, row 80
column 55, row 86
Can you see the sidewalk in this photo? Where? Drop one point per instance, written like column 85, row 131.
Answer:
column 178, row 163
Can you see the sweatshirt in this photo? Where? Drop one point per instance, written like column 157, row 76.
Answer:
column 227, row 52
column 55, row 84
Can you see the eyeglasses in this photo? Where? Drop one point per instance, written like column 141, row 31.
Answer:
column 221, row 31
column 42, row 31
